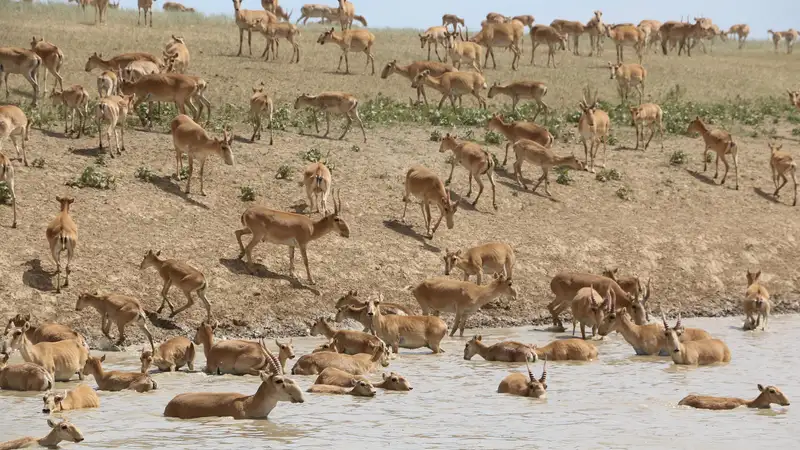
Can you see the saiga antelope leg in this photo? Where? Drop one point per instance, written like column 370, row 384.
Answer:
column 189, row 303
column 164, row 298
column 304, row 254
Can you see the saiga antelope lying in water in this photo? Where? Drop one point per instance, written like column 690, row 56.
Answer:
column 566, row 350
column 355, row 41
column 350, row 342
column 649, row 115
column 284, row 228
column 721, row 142
column 475, row 159
column 170, row 355
column 274, row 388
column 185, row 276
column 768, row 395
column 116, row 380
column 62, row 235
column 588, row 308
column 425, row 185
column 506, row 351
column 525, row 386
column 190, row 138
column 351, row 299
column 15, row 125
column 83, row 396
column 593, row 126
column 260, row 103
column 63, row 431
column 23, row 377
column 756, row 302
column 317, row 181
column 119, row 309
column 647, row 339
column 392, row 381
column 495, row 257
column 693, row 353
column 45, row 332
column 460, row 297
column 534, row 153
column 782, row 164
column 61, row 359
column 359, row 389
column 516, row 130
column 358, row 364
column 407, row 331
column 332, row 102
column 237, row 357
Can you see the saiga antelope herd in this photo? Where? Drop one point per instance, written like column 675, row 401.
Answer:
column 602, row 302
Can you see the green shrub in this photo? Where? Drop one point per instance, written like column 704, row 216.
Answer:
column 284, row 172
column 625, row 193
column 608, row 175
column 493, row 137
column 678, row 158
column 144, row 174
column 247, row 194
column 564, row 176
column 93, row 178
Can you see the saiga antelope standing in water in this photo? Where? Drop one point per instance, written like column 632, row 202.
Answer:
column 62, row 234
column 756, row 302
column 283, row 228
column 782, row 164
column 475, row 159
column 721, row 142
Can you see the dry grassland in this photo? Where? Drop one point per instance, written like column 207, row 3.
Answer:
column 669, row 222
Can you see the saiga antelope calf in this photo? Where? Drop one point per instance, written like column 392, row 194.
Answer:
column 317, row 182
column 116, row 380
column 170, row 355
column 494, row 257
column 647, row 115
column 525, row 386
column 176, row 55
column 426, row 186
column 506, row 351
column 7, row 176
column 63, row 431
column 588, row 308
column 628, row 76
column 703, row 352
column 185, row 276
column 532, row 152
column 62, row 235
column 514, row 131
column 113, row 110
column 107, row 83
column 721, row 142
column 756, row 302
column 519, row 90
column 82, row 396
column 190, row 138
column 359, row 389
column 75, row 101
column 593, row 126
column 782, row 164
column 23, row 62
column 767, row 396
column 15, row 125
column 406, row 331
column 332, row 102
column 116, row 308
column 355, row 41
column 283, row 228
column 260, row 103
column 52, row 58
column 475, row 159
column 23, row 377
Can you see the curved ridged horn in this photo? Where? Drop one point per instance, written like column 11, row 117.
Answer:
column 530, row 374
column 544, row 371
column 664, row 319
column 271, row 359
column 678, row 324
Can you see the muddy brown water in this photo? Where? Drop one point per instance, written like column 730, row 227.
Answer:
column 620, row 401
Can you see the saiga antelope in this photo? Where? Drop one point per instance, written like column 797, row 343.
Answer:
column 406, row 331
column 756, row 302
column 501, row 35
column 543, row 34
column 23, row 377
column 20, row 61
column 62, row 234
column 721, row 142
column 572, row 29
column 410, row 71
column 261, row 102
column 347, row 12
column 63, row 431
column 596, row 30
column 628, row 76
column 534, row 153
column 593, row 127
column 113, row 110
column 356, row 41
column 317, row 182
column 475, row 159
column 434, row 36
column 185, row 276
column 782, row 164
column 519, row 90
column 454, row 84
column 75, row 101
column 14, row 124
column 741, row 31
column 647, row 115
column 245, row 20
column 703, row 352
column 52, row 59
column 794, row 98
column 514, row 131
column 7, row 176
column 45, row 332
column 190, row 138
column 119, row 309
column 293, row 230
column 518, row 384
column 452, row 19
column 767, row 396
column 495, row 257
column 144, row 5
column 82, row 396
column 101, row 10
column 332, row 102
column 425, row 185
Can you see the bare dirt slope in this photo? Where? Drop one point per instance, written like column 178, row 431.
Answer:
column 694, row 238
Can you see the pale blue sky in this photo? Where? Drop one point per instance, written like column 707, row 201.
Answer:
column 775, row 14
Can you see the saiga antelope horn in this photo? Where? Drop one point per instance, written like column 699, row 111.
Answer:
column 530, row 374
column 544, row 371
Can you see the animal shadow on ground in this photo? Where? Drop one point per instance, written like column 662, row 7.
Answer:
column 408, row 230
column 36, row 277
column 91, row 152
column 238, row 267
column 766, row 195
column 165, row 324
column 243, row 139
column 517, row 188
column 700, row 176
column 166, row 184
